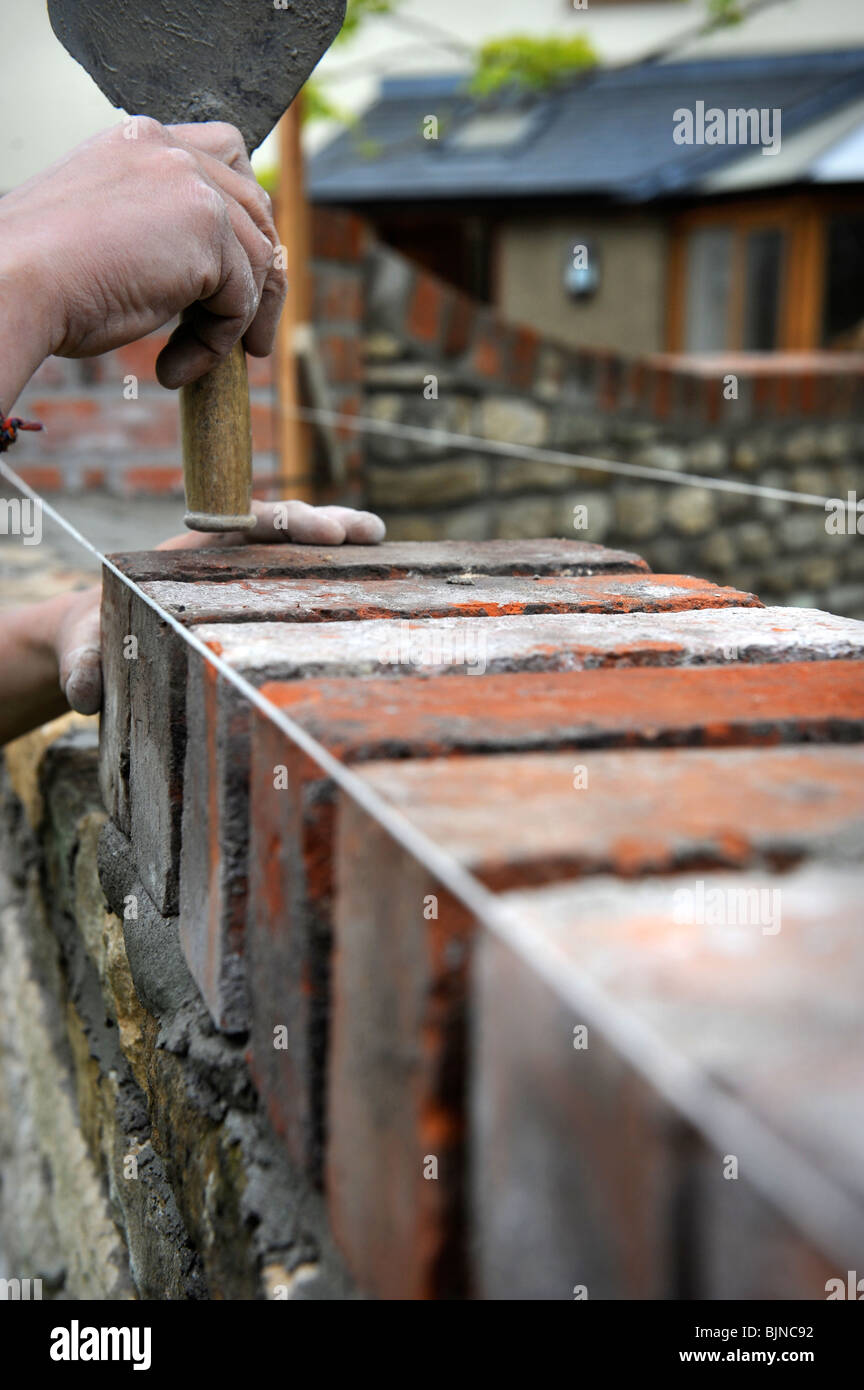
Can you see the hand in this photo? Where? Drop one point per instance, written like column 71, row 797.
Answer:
column 129, row 229
column 77, row 636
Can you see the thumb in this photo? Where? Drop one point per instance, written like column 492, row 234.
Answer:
column 79, row 655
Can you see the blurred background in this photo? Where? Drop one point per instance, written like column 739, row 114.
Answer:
column 508, row 278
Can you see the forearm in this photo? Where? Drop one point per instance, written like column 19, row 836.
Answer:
column 30, row 691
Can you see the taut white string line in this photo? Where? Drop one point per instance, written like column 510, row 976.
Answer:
column 785, row 1178
column 366, row 424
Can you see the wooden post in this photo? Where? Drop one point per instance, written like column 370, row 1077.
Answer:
column 294, row 437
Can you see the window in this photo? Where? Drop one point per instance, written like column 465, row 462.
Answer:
column 843, row 304
column 733, row 288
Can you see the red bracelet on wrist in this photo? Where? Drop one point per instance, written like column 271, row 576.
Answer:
column 9, row 427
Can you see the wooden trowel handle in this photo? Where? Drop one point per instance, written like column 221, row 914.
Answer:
column 217, row 447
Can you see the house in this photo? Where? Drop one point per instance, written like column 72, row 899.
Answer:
column 702, row 206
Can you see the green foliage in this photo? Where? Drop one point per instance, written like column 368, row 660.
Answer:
column 360, row 10
column 521, row 60
column 724, row 12
column 317, row 105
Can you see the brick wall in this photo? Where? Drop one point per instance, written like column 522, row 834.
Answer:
column 548, row 987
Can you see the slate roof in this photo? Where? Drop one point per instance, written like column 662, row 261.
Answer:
column 608, row 134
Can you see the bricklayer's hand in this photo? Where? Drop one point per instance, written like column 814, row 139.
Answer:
column 123, row 233
column 76, row 636
column 295, row 522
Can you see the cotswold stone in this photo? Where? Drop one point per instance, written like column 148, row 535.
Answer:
column 691, row 511
column 512, row 421
column 708, row 456
column 637, row 512
column 433, row 484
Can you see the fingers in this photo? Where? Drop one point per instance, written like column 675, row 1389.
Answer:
column 306, row 525
column 245, row 192
column 218, row 139
column 79, row 656
column 241, row 291
column 361, row 528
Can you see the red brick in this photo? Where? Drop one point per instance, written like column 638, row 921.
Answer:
column 261, row 370
column 396, row 1068
column 519, row 820
column 263, row 428
column 156, row 811
column 426, row 309
column 714, row 706
column 63, row 419
column 390, row 560
column 157, row 479
column 337, row 236
column 760, row 1078
column 486, row 358
column 338, row 295
column 269, row 600
column 460, row 324
column 361, row 720
column 524, row 357
column 342, row 357
column 43, row 479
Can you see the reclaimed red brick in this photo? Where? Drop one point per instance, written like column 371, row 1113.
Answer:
column 337, row 236
column 395, row 1164
column 291, row 826
column 426, row 309
column 390, row 560
column 524, row 357
column 623, row 962
column 460, row 324
column 165, row 480
column 42, row 478
column 519, row 820
column 313, row 600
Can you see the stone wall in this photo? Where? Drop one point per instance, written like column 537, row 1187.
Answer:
column 134, row 1158
column 435, row 361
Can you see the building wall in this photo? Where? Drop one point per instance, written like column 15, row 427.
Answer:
column 626, row 313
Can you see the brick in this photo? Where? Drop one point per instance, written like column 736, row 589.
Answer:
column 114, row 720
column 373, row 719
column 42, row 478
column 390, row 560
column 795, row 703
column 700, row 1016
column 393, row 1108
column 63, row 418
column 555, row 1135
column 156, row 751
column 545, row 642
column 311, row 600
column 425, row 313
column 519, row 820
column 159, row 479
column 213, row 871
column 337, row 236
column 162, row 751
column 292, row 830
column 460, row 325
